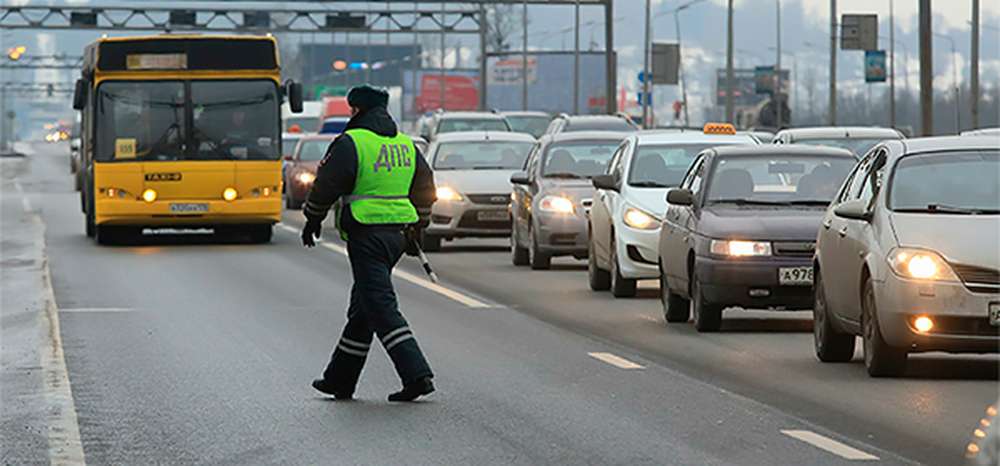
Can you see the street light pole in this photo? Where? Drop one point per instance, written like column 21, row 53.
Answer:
column 974, row 72
column 524, row 55
column 576, row 58
column 441, row 84
column 777, row 85
column 892, row 65
column 645, row 70
column 926, row 69
column 680, row 64
column 832, row 113
column 730, row 117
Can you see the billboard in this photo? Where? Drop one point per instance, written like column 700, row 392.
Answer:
column 765, row 80
column 875, row 66
column 550, row 81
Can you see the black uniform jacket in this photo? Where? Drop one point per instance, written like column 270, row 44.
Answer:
column 339, row 169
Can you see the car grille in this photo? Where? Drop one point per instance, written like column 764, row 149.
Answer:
column 794, row 248
column 490, row 199
column 961, row 325
column 978, row 279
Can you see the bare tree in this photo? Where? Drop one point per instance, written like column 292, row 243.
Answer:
column 503, row 24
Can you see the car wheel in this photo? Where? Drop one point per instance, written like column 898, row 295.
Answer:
column 707, row 317
column 600, row 279
column 675, row 308
column 621, row 287
column 539, row 260
column 518, row 255
column 881, row 359
column 260, row 233
column 429, row 242
column 830, row 344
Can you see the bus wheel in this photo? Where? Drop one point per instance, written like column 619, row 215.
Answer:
column 260, row 233
column 107, row 235
column 89, row 226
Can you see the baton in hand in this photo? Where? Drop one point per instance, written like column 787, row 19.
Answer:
column 424, row 262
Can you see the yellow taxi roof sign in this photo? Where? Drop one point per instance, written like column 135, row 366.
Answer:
column 719, row 128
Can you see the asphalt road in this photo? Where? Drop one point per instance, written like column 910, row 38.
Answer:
column 185, row 349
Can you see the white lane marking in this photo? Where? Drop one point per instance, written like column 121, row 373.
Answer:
column 616, row 361
column 826, row 443
column 25, row 202
column 414, row 279
column 82, row 310
column 65, row 447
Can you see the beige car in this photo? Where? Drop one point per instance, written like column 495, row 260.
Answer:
column 907, row 255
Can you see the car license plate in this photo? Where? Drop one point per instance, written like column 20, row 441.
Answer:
column 188, row 208
column 493, row 216
column 995, row 314
column 798, row 276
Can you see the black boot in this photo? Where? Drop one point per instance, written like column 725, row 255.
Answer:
column 413, row 390
column 330, row 388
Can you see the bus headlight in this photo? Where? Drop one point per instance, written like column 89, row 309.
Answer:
column 149, row 195
column 229, row 194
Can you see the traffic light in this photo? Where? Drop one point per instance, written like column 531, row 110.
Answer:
column 15, row 53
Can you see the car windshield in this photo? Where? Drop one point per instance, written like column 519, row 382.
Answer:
column 306, row 124
column 599, row 124
column 481, row 155
column 777, row 179
column 288, row 143
column 533, row 125
column 858, row 146
column 663, row 166
column 452, row 125
column 582, row 159
column 311, row 150
column 148, row 121
column 953, row 182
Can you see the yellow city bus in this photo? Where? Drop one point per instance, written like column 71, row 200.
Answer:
column 182, row 131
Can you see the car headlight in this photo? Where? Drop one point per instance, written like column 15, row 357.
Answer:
column 445, row 193
column 556, row 204
column 638, row 219
column 920, row 264
column 738, row 248
column 306, row 178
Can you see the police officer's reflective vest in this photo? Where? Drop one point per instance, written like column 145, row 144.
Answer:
column 386, row 167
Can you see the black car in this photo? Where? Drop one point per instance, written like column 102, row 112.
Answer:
column 741, row 229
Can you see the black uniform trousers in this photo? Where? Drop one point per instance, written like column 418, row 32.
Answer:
column 373, row 252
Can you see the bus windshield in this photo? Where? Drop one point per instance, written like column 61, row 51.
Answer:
column 169, row 120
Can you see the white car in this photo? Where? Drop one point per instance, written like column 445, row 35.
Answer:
column 631, row 199
column 472, row 172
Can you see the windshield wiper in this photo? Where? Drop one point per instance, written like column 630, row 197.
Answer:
column 562, row 175
column 948, row 209
column 818, row 202
column 648, row 184
column 747, row 202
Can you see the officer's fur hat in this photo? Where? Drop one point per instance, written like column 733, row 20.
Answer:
column 366, row 97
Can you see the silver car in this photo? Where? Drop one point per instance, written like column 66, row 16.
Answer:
column 857, row 139
column 552, row 197
column 907, row 255
column 472, row 171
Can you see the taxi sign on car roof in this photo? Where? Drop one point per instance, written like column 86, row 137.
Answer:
column 719, row 128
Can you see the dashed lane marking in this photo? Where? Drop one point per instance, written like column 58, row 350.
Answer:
column 616, row 361
column 25, row 202
column 826, row 443
column 414, row 279
column 95, row 310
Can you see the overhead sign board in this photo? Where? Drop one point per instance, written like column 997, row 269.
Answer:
column 875, row 66
column 665, row 63
column 859, row 32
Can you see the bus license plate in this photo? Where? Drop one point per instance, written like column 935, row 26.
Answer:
column 995, row 314
column 188, row 208
column 493, row 216
column 797, row 276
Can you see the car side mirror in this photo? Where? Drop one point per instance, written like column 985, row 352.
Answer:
column 520, row 178
column 293, row 91
column 679, row 196
column 80, row 94
column 856, row 209
column 605, row 182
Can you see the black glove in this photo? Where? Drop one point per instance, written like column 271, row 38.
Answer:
column 412, row 241
column 311, row 232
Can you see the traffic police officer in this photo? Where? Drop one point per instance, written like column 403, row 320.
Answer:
column 377, row 182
